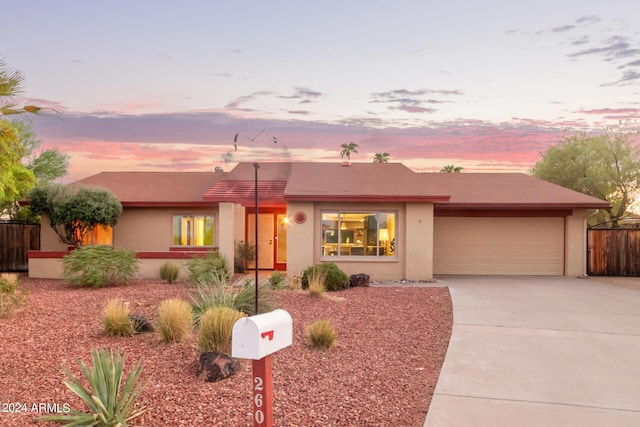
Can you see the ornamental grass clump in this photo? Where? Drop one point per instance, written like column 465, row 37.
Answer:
column 116, row 320
column 175, row 320
column 110, row 403
column 169, row 272
column 322, row 334
column 335, row 279
column 317, row 279
column 216, row 327
column 10, row 296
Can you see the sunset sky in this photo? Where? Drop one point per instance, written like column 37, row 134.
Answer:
column 165, row 85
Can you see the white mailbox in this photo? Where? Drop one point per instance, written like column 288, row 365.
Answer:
column 257, row 336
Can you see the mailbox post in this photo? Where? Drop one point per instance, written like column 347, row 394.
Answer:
column 257, row 337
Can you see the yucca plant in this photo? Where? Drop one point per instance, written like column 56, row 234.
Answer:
column 322, row 334
column 116, row 320
column 216, row 327
column 175, row 320
column 110, row 405
column 276, row 281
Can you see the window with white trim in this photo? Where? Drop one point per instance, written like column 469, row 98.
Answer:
column 358, row 234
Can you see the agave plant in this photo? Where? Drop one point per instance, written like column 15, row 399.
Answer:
column 109, row 404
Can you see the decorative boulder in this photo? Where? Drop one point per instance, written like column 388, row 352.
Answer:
column 140, row 323
column 359, row 280
column 216, row 366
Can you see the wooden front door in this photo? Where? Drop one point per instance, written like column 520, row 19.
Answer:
column 265, row 238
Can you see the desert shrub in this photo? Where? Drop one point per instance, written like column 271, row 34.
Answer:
column 317, row 278
column 322, row 334
column 216, row 327
column 276, row 281
column 175, row 320
column 169, row 272
column 335, row 279
column 116, row 320
column 295, row 283
column 207, row 269
column 220, row 293
column 98, row 265
column 110, row 403
column 10, row 296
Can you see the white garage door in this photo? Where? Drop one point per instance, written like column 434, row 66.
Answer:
column 526, row 246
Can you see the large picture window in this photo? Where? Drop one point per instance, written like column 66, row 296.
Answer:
column 99, row 235
column 193, row 230
column 353, row 234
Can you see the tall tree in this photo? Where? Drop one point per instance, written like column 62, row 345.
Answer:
column 604, row 165
column 381, row 158
column 347, row 149
column 451, row 169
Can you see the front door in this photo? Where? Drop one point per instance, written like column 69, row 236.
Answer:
column 265, row 238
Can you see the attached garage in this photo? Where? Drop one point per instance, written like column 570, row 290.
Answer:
column 501, row 246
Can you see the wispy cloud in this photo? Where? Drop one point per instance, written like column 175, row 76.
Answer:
column 412, row 101
column 303, row 95
column 237, row 103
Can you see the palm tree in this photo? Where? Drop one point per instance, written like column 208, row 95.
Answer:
column 10, row 88
column 451, row 169
column 381, row 158
column 347, row 149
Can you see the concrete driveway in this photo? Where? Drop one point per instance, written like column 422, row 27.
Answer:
column 539, row 351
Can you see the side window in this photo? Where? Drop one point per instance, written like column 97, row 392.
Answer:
column 358, row 234
column 193, row 230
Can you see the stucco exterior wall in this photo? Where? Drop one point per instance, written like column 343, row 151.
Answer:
column 419, row 241
column 576, row 243
column 301, row 242
column 49, row 240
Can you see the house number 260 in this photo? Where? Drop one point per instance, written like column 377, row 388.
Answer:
column 258, row 400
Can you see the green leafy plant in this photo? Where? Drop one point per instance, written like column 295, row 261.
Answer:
column 277, row 280
column 116, row 320
column 97, row 266
column 317, row 278
column 246, row 252
column 216, row 327
column 220, row 293
column 110, row 403
column 175, row 320
column 322, row 334
column 10, row 296
column 207, row 269
column 335, row 279
column 169, row 272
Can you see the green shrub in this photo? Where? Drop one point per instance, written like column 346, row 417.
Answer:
column 116, row 320
column 246, row 253
column 220, row 293
column 169, row 272
column 216, row 327
column 317, row 279
column 276, row 281
column 335, row 279
column 10, row 296
column 110, row 405
column 97, row 266
column 175, row 321
column 322, row 334
column 207, row 269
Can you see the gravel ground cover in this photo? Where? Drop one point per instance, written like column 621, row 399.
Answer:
column 391, row 344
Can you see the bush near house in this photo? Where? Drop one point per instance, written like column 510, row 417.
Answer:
column 169, row 272
column 207, row 269
column 97, row 266
column 335, row 279
column 10, row 296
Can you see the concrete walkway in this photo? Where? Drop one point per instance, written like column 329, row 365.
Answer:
column 538, row 351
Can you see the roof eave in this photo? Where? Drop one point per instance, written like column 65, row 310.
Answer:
column 366, row 198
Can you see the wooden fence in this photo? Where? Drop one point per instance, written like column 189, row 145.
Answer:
column 613, row 252
column 16, row 240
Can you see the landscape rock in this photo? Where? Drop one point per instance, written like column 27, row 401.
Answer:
column 216, row 366
column 140, row 323
column 357, row 280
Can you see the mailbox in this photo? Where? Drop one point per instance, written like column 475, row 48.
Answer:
column 257, row 336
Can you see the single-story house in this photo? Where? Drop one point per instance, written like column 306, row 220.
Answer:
column 381, row 219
